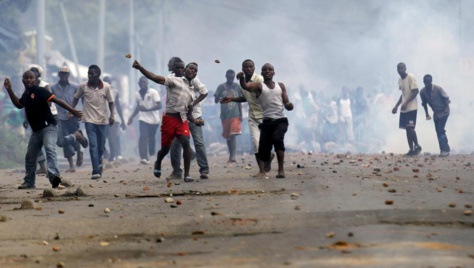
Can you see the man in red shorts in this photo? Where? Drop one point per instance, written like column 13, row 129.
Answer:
column 179, row 100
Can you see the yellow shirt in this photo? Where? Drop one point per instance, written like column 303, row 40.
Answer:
column 255, row 110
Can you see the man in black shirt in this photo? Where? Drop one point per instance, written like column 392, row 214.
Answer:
column 43, row 124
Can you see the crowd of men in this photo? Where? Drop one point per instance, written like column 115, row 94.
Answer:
column 50, row 111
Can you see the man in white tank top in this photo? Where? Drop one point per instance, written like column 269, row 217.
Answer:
column 272, row 98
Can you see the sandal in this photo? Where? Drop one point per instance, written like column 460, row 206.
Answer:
column 280, row 176
column 188, row 179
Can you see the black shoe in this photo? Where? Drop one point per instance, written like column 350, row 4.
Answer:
column 26, row 186
column 156, row 170
column 417, row 150
column 56, row 181
column 410, row 153
column 204, row 176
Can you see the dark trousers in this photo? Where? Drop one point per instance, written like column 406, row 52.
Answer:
column 440, row 124
column 272, row 134
column 146, row 141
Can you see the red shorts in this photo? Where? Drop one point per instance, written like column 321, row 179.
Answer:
column 171, row 127
column 231, row 126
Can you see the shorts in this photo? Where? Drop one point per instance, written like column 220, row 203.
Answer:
column 408, row 119
column 231, row 126
column 172, row 127
column 272, row 135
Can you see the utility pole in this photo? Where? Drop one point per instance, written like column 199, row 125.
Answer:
column 100, row 50
column 71, row 42
column 131, row 46
column 40, row 32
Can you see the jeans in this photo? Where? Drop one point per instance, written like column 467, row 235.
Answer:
column 46, row 137
column 114, row 141
column 201, row 156
column 440, row 124
column 66, row 139
column 97, row 135
column 147, row 141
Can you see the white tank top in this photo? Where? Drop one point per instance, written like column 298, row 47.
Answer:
column 345, row 107
column 271, row 102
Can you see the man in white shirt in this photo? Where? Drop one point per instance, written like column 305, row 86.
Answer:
column 148, row 110
column 407, row 84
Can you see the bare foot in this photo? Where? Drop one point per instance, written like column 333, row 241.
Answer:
column 280, row 175
column 260, row 175
column 70, row 170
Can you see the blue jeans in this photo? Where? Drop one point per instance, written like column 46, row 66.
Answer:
column 46, row 137
column 97, row 135
column 440, row 124
column 201, row 156
column 66, row 139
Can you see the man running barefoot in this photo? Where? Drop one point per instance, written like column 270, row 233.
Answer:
column 272, row 98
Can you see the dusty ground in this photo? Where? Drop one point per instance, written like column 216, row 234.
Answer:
column 331, row 213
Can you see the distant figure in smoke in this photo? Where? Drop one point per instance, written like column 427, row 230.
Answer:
column 231, row 113
column 407, row 84
column 360, row 111
column 36, row 100
column 148, row 110
column 272, row 98
column 255, row 113
column 345, row 112
column 113, row 136
column 438, row 100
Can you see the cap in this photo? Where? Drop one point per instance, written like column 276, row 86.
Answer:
column 64, row 69
column 40, row 70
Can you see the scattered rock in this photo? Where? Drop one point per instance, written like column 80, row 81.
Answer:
column 416, row 170
column 169, row 200
column 392, row 191
column 468, row 212
column 160, row 240
column 294, row 196
column 79, row 192
column 48, row 193
column 3, row 218
column 61, row 211
column 297, row 208
column 179, row 202
column 388, row 202
column 330, row 235
column 66, row 183
column 56, row 249
column 60, row 265
column 104, row 243
column 468, row 206
column 107, row 210
column 27, row 204
column 452, row 205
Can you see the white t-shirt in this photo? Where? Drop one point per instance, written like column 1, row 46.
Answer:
column 406, row 86
column 54, row 110
column 345, row 106
column 150, row 99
